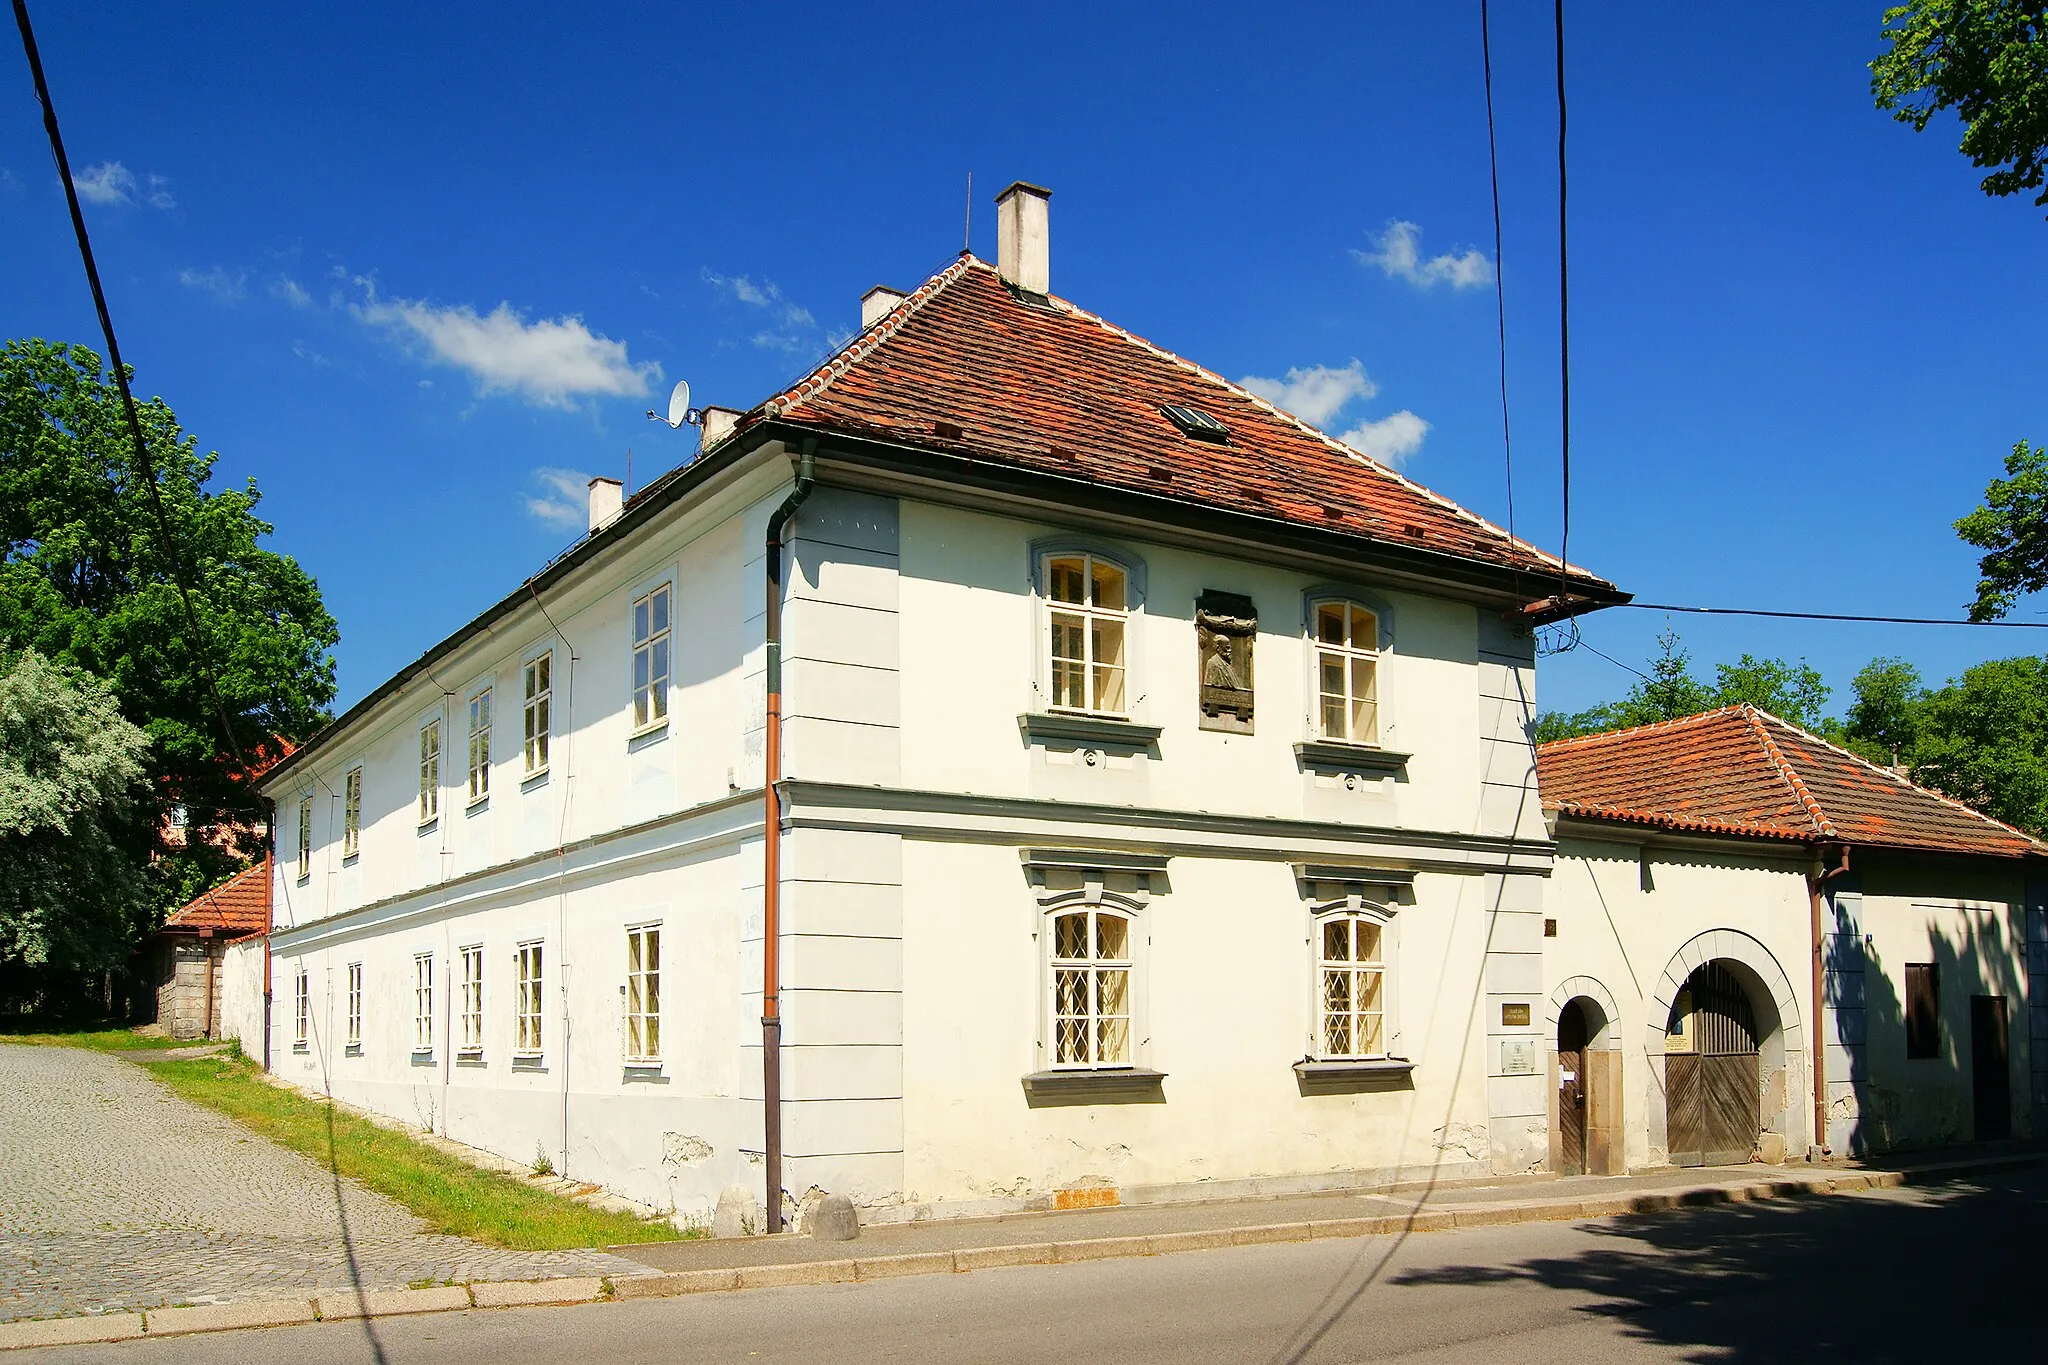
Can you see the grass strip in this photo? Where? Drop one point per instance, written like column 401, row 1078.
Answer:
column 451, row 1195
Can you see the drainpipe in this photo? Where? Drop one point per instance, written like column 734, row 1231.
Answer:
column 771, row 850
column 269, row 916
column 1816, row 884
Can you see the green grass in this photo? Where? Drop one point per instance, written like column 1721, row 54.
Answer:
column 449, row 1194
column 103, row 1040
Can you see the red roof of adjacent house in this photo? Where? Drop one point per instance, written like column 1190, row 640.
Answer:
column 1740, row 770
column 239, row 905
column 968, row 367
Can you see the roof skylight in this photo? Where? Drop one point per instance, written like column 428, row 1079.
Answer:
column 1196, row 423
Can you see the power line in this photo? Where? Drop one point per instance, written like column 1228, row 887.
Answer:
column 99, row 298
column 1564, row 319
column 1500, row 302
column 1832, row 616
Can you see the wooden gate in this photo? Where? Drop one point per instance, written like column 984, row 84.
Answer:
column 1712, row 1084
column 1571, row 1089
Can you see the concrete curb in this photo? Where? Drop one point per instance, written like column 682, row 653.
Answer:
column 343, row 1305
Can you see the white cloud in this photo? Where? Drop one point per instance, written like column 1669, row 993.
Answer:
column 1390, row 440
column 564, row 499
column 790, row 318
column 226, row 286
column 160, row 196
column 291, row 291
column 1316, row 393
column 1398, row 257
column 107, row 183
column 9, row 182
column 550, row 361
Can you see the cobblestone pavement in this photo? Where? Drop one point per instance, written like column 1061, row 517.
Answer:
column 116, row 1194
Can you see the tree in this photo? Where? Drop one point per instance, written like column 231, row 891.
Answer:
column 1983, row 739
column 72, row 897
column 1988, row 61
column 2012, row 530
column 1669, row 690
column 1794, row 692
column 88, row 579
column 1884, row 720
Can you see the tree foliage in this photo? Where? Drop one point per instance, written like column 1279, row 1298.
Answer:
column 71, row 769
column 1988, row 61
column 2012, row 530
column 1668, row 690
column 87, row 579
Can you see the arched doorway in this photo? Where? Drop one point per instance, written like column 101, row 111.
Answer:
column 1572, row 1085
column 1586, row 1080
column 1712, row 1078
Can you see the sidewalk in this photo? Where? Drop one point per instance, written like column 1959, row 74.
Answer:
column 956, row 1246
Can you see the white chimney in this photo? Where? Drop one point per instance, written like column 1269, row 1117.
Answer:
column 877, row 302
column 718, row 424
column 607, row 500
column 1021, row 246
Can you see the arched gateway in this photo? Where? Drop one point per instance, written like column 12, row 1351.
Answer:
column 1724, row 1024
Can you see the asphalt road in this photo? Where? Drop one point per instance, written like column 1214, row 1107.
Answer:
column 1940, row 1273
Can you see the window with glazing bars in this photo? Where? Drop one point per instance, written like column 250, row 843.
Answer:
column 355, row 1004
column 650, row 658
column 643, row 994
column 302, row 1010
column 472, row 1001
column 1347, row 672
column 423, row 1002
column 1091, row 988
column 1353, row 989
column 538, row 681
column 1089, row 610
column 430, row 770
column 305, row 868
column 352, row 812
column 527, row 975
column 480, row 746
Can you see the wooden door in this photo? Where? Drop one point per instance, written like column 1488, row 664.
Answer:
column 1571, row 1089
column 1990, row 1067
column 1712, row 1090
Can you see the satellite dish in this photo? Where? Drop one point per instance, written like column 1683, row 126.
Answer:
column 680, row 412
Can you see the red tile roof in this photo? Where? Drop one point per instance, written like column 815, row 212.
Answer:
column 239, row 905
column 1743, row 771
column 965, row 366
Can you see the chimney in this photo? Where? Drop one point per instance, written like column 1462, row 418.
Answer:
column 1021, row 247
column 877, row 302
column 718, row 424
column 607, row 500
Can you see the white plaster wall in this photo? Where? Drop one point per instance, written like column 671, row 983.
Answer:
column 1226, row 1000
column 241, row 994
column 1619, row 930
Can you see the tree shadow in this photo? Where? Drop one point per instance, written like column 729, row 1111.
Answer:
column 1908, row 1277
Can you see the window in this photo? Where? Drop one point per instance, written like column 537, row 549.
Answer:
column 650, row 658
column 480, row 746
column 423, row 1002
column 352, row 812
column 305, row 837
column 430, row 771
column 1347, row 658
column 539, row 685
column 472, row 1002
column 1353, row 976
column 1090, row 607
column 355, row 1004
column 1923, row 1010
column 643, row 994
column 1091, row 988
column 527, row 974
column 302, row 1012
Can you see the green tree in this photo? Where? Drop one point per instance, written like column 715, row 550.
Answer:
column 1884, row 720
column 87, row 579
column 2012, row 530
column 1668, row 690
column 71, row 769
column 1794, row 692
column 1988, row 61
column 1983, row 739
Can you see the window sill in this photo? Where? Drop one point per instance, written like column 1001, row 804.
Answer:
column 480, row 803
column 1357, row 758
column 537, row 1063
column 428, row 826
column 534, row 779
column 473, row 1057
column 1042, row 726
column 423, row 1056
column 645, row 1073
column 303, row 878
column 1106, row 1085
column 301, row 1049
column 647, row 734
column 352, row 1050
column 349, row 859
column 1348, row 1075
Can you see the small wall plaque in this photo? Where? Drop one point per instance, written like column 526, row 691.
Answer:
column 1226, row 623
column 1518, row 1056
column 1514, row 1016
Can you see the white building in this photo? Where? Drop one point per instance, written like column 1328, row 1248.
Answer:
column 1155, row 804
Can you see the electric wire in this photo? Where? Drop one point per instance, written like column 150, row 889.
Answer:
column 1831, row 616
column 1564, row 322
column 1500, row 304
column 172, row 555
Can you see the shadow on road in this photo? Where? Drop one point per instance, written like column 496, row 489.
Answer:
column 1942, row 1273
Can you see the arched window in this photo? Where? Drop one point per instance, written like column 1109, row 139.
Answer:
column 1352, row 986
column 1089, row 605
column 1346, row 642
column 1091, row 988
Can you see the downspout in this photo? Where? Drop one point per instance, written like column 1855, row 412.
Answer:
column 269, row 916
column 771, row 849
column 1816, row 884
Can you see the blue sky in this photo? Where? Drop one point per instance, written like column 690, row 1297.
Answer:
column 399, row 264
